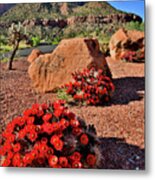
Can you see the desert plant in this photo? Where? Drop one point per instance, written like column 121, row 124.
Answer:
column 56, row 40
column 90, row 87
column 62, row 94
column 135, row 26
column 16, row 35
column 35, row 40
column 49, row 135
column 3, row 40
column 133, row 56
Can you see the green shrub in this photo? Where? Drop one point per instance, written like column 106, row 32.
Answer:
column 35, row 40
column 56, row 40
column 135, row 26
column 3, row 40
column 62, row 94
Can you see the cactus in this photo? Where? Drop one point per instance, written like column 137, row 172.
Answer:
column 16, row 34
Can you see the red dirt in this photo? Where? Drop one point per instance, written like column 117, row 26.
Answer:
column 120, row 125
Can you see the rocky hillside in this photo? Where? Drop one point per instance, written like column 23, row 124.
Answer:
column 63, row 14
column 52, row 22
column 53, row 10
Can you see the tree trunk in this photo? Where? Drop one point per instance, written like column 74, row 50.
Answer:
column 12, row 56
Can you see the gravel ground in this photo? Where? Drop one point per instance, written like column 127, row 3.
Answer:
column 119, row 125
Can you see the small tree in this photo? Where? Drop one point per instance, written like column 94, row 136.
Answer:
column 16, row 34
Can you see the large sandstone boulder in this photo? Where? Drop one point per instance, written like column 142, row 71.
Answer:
column 50, row 71
column 34, row 54
column 124, row 40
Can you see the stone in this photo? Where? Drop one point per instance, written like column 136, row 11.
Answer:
column 50, row 71
column 126, row 40
column 34, row 54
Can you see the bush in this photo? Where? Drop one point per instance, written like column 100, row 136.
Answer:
column 133, row 56
column 56, row 40
column 135, row 26
column 61, row 94
column 49, row 136
column 3, row 40
column 35, row 41
column 90, row 87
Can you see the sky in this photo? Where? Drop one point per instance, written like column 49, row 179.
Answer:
column 132, row 6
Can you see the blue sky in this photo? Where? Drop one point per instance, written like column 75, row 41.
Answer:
column 133, row 6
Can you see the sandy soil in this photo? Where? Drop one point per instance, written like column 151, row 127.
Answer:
column 119, row 125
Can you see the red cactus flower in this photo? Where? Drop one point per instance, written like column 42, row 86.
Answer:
column 16, row 160
column 58, row 145
column 47, row 117
column 58, row 113
column 30, row 120
column 27, row 112
column 63, row 161
column 6, row 163
column 11, row 138
column 53, row 160
column 76, row 156
column 35, row 106
column 40, row 113
column 17, row 147
column 76, row 164
column 70, row 115
column 74, row 123
column 10, row 154
column 22, row 134
column 91, row 159
column 44, row 106
column 34, row 111
column 32, row 136
column 54, row 139
column 44, row 140
column 27, row 159
column 63, row 123
column 47, row 127
column 21, row 121
column 84, row 139
column 76, row 131
column 50, row 151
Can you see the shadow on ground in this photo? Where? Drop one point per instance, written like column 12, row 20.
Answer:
column 117, row 154
column 128, row 89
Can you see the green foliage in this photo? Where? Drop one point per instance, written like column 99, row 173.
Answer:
column 135, row 26
column 5, row 48
column 3, row 40
column 61, row 94
column 56, row 40
column 35, row 40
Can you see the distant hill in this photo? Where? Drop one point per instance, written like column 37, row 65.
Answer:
column 20, row 12
column 51, row 22
column 96, row 8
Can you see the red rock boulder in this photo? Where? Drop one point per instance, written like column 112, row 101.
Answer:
column 34, row 54
column 123, row 41
column 50, row 71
